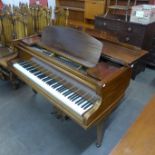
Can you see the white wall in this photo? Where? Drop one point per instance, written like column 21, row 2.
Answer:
column 51, row 3
column 15, row 2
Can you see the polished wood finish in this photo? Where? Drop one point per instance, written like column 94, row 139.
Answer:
column 110, row 86
column 120, row 52
column 81, row 47
column 130, row 33
column 140, row 138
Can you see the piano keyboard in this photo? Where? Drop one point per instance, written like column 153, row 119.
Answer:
column 74, row 98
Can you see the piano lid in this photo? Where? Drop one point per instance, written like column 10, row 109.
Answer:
column 74, row 44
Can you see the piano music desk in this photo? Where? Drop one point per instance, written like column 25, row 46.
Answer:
column 140, row 138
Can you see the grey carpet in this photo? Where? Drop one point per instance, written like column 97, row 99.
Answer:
column 28, row 128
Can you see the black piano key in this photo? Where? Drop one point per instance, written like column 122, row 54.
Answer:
column 67, row 93
column 53, row 84
column 87, row 106
column 41, row 76
column 63, row 90
column 71, row 96
column 37, row 73
column 50, row 82
column 33, row 71
column 26, row 65
column 60, row 88
column 29, row 68
column 46, row 79
column 76, row 97
column 80, row 101
column 56, row 85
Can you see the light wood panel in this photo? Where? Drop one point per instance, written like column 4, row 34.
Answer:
column 94, row 8
column 140, row 138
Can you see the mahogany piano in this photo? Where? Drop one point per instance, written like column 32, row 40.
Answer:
column 68, row 67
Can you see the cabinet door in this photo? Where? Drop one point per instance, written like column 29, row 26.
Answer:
column 94, row 8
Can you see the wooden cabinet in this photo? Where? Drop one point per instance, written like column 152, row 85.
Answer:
column 79, row 10
column 94, row 8
column 135, row 34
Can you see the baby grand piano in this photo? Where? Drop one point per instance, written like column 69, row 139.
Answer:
column 68, row 68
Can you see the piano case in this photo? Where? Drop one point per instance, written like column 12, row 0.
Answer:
column 98, row 79
column 120, row 52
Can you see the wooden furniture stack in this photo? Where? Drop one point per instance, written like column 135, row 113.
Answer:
column 82, row 10
column 131, row 33
column 119, row 27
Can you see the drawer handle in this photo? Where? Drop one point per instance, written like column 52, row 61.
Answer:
column 127, row 38
column 129, row 29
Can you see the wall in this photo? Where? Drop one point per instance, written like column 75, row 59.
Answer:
column 16, row 2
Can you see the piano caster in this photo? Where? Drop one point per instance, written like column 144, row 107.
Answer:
column 100, row 133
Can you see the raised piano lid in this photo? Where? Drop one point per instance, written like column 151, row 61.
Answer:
column 122, row 53
column 115, row 50
column 73, row 44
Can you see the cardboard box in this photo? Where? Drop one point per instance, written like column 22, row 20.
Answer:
column 143, row 14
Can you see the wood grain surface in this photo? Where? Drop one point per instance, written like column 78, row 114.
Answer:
column 140, row 138
column 78, row 45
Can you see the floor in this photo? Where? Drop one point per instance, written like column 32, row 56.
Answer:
column 28, row 128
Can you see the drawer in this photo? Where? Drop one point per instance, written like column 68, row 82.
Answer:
column 106, row 24
column 131, row 39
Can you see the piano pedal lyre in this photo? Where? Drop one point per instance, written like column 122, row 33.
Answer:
column 59, row 114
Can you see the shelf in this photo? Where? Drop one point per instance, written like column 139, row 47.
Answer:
column 119, row 7
column 75, row 23
column 73, row 8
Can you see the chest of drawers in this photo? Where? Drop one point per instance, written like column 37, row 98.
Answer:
column 130, row 33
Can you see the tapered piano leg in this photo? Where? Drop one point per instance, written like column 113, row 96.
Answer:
column 100, row 133
column 34, row 91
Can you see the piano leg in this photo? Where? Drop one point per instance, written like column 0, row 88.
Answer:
column 14, row 80
column 100, row 133
column 34, row 91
